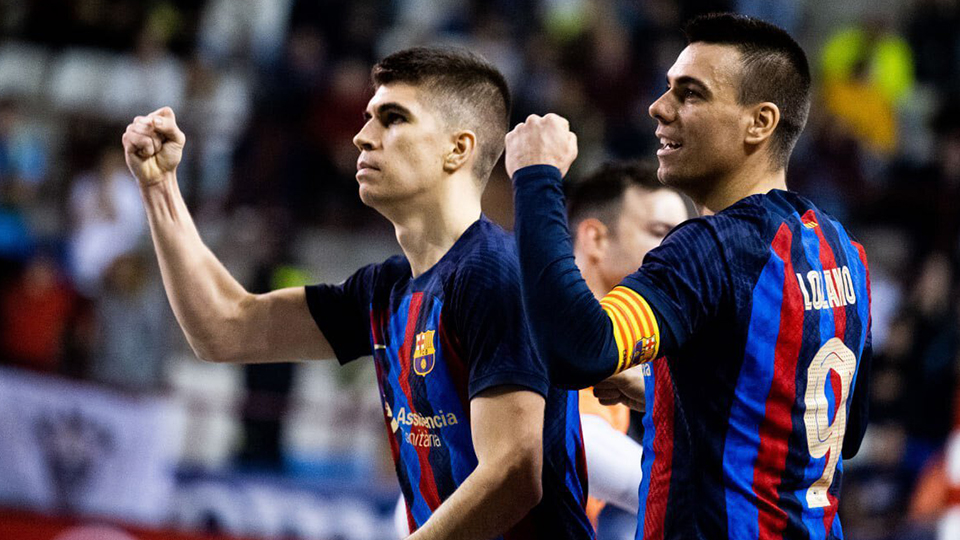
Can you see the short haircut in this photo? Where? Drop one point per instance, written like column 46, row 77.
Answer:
column 468, row 91
column 775, row 69
column 600, row 194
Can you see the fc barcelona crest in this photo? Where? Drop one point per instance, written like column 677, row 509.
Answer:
column 644, row 350
column 424, row 356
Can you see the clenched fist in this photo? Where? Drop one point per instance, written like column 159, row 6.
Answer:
column 153, row 146
column 540, row 140
column 626, row 387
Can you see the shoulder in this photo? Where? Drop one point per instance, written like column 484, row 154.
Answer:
column 489, row 258
column 382, row 275
column 487, row 271
column 745, row 227
column 393, row 268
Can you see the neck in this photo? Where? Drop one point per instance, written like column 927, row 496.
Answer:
column 755, row 178
column 591, row 275
column 426, row 232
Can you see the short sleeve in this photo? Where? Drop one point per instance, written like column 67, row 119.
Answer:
column 684, row 280
column 342, row 312
column 494, row 332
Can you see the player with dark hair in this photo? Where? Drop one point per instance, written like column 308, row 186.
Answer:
column 752, row 324
column 617, row 214
column 464, row 392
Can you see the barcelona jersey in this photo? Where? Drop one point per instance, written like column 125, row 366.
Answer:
column 767, row 309
column 438, row 340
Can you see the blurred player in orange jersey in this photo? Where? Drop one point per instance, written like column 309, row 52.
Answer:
column 616, row 215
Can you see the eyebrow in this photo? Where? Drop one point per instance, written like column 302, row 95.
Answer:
column 687, row 80
column 390, row 106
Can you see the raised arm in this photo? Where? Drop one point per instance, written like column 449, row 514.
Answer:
column 584, row 340
column 220, row 319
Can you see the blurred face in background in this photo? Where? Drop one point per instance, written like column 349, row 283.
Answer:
column 402, row 147
column 700, row 125
column 644, row 219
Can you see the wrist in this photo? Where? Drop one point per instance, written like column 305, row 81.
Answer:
column 164, row 182
column 162, row 197
column 542, row 171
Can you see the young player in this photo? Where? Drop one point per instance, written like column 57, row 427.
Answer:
column 617, row 214
column 464, row 393
column 760, row 312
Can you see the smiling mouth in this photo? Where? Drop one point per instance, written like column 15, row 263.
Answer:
column 668, row 147
column 669, row 144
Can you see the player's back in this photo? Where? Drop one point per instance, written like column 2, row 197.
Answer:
column 745, row 425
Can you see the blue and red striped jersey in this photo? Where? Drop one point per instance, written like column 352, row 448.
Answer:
column 438, row 340
column 765, row 312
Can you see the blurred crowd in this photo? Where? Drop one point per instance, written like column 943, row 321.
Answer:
column 270, row 94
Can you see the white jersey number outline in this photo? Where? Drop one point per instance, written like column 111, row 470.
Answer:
column 825, row 438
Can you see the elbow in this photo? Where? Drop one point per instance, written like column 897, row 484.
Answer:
column 575, row 364
column 525, row 481
column 532, row 495
column 210, row 353
column 226, row 341
column 217, row 348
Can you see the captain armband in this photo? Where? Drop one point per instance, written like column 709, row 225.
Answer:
column 634, row 327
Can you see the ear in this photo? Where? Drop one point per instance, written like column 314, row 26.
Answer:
column 764, row 119
column 592, row 239
column 462, row 151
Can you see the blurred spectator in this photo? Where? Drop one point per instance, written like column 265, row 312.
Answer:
column 866, row 70
column 16, row 242
column 151, row 77
column 828, row 166
column 38, row 310
column 230, row 30
column 130, row 349
column 915, row 373
column 24, row 156
column 922, row 199
column 108, row 219
column 268, row 386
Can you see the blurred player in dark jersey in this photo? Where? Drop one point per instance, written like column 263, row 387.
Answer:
column 617, row 214
column 463, row 391
column 752, row 324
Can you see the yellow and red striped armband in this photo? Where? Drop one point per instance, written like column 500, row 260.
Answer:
column 634, row 327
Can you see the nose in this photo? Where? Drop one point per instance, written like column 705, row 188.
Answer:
column 364, row 138
column 661, row 110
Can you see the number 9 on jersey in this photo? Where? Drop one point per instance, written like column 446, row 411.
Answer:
column 829, row 378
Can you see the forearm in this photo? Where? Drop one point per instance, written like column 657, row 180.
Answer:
column 205, row 298
column 567, row 321
column 490, row 501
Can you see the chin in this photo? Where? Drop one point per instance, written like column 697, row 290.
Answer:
column 369, row 196
column 668, row 177
column 683, row 180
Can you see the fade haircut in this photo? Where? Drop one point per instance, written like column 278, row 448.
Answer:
column 600, row 194
column 774, row 69
column 469, row 92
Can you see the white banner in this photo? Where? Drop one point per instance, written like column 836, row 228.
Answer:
column 84, row 449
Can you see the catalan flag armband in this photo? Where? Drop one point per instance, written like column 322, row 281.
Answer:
column 634, row 327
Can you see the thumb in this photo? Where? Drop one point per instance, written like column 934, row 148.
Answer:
column 165, row 122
